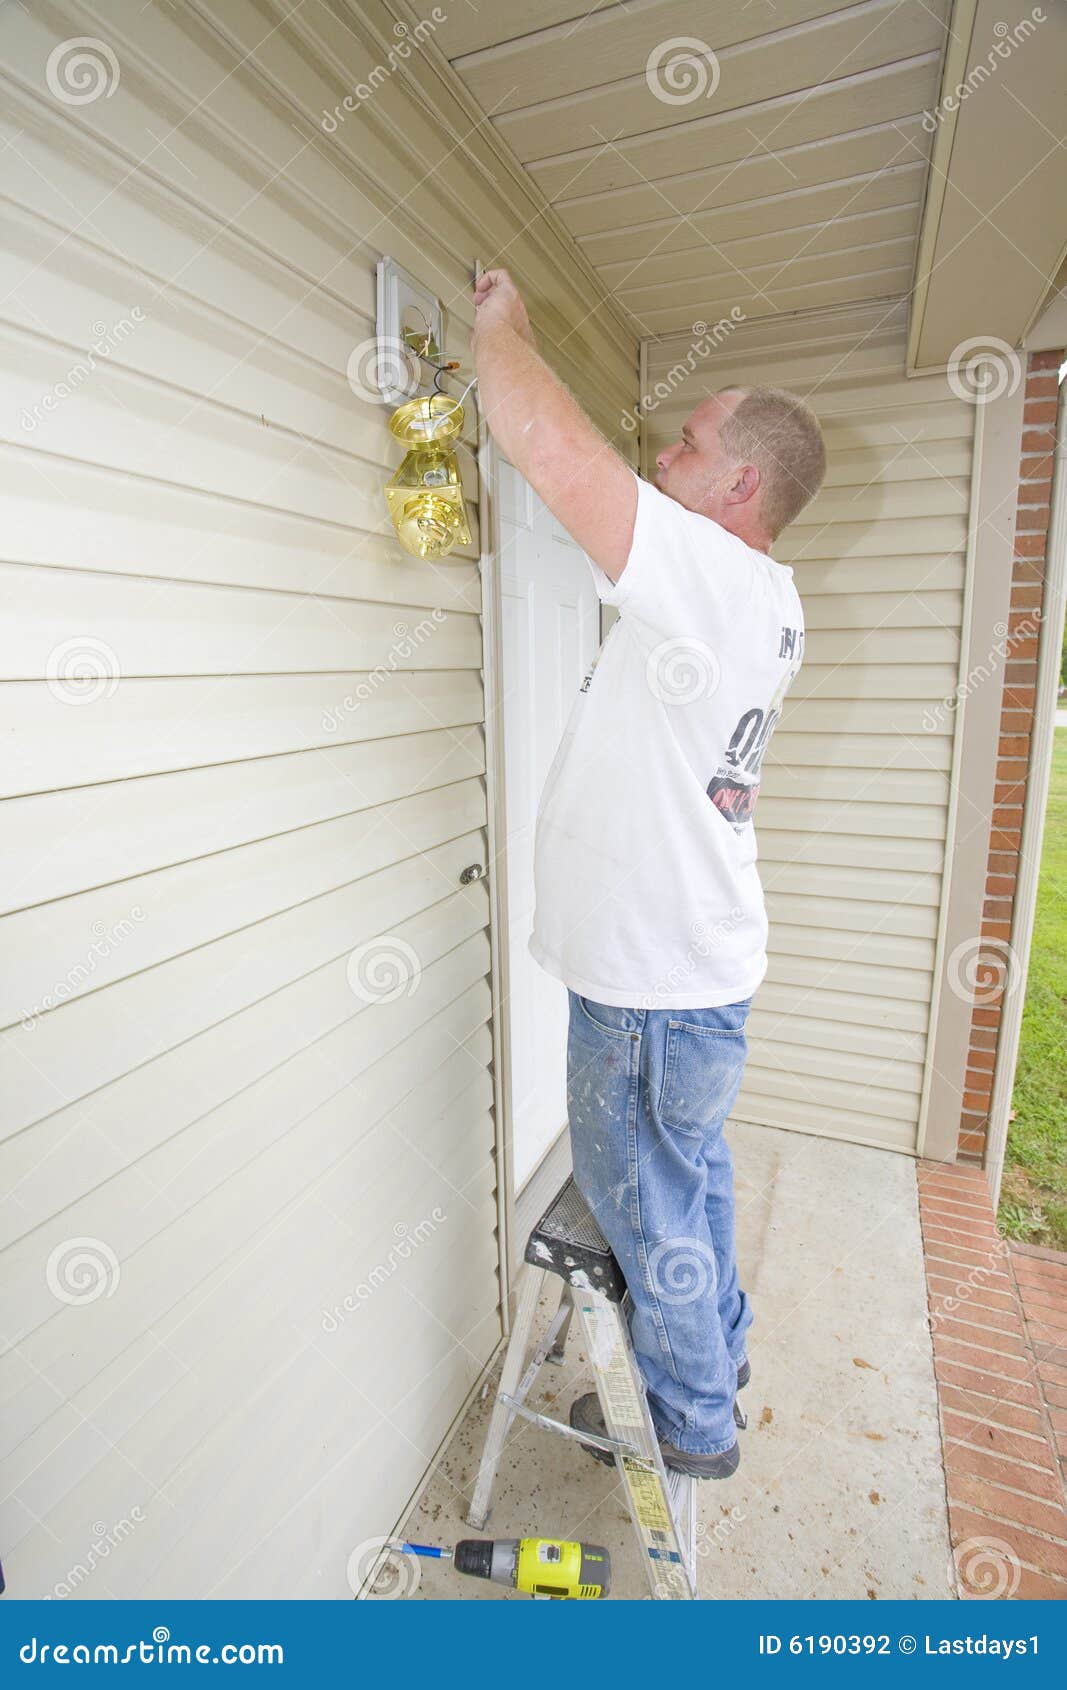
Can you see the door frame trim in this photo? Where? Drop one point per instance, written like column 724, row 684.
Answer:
column 986, row 613
column 496, row 838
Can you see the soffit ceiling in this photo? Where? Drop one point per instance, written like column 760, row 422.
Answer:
column 785, row 174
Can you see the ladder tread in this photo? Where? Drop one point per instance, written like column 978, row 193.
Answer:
column 568, row 1241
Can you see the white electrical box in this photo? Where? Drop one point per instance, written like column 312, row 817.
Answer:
column 405, row 308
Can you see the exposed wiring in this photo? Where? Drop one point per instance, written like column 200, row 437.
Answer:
column 441, row 367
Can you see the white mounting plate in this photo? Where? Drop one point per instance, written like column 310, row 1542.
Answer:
column 403, row 303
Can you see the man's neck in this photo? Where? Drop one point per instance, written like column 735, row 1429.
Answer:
column 752, row 533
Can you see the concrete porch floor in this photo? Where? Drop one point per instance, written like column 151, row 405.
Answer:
column 841, row 1489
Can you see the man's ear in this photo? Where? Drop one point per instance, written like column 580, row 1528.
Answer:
column 744, row 486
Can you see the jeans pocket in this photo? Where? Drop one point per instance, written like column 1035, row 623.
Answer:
column 607, row 1018
column 701, row 1074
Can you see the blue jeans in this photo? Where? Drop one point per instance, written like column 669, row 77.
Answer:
column 648, row 1093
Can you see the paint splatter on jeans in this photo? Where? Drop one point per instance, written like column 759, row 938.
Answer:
column 648, row 1095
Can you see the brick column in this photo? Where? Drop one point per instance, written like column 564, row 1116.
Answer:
column 1019, row 650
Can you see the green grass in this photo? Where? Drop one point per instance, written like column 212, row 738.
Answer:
column 1033, row 1203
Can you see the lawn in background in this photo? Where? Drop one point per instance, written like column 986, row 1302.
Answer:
column 1033, row 1202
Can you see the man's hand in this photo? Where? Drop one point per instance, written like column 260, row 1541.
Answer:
column 497, row 300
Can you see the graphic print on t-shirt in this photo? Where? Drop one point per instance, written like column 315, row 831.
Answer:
column 734, row 787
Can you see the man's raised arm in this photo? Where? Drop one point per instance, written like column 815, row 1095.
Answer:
column 545, row 434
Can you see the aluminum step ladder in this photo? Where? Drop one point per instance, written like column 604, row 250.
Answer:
column 662, row 1502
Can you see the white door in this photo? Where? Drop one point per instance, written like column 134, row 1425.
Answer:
column 550, row 627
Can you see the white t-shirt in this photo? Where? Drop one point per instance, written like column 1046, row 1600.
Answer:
column 647, row 890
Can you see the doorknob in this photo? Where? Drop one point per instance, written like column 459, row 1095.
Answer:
column 474, row 871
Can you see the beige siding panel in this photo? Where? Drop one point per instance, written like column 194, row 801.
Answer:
column 248, row 1035
column 854, row 1037
column 857, row 102
column 130, row 1022
column 853, row 816
column 833, row 178
column 842, row 1009
column 195, row 902
column 870, row 466
column 874, row 986
column 474, row 31
column 541, row 118
column 151, row 726
column 158, row 531
column 823, row 845
column 852, row 1124
column 918, row 611
column 850, row 539
column 726, row 276
column 786, row 176
column 862, row 883
column 848, row 914
column 857, row 751
column 175, row 1182
column 573, row 58
column 856, row 280
column 924, row 573
column 185, row 630
column 780, row 246
column 286, row 1076
column 165, row 819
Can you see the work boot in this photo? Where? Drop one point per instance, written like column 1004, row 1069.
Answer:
column 586, row 1415
column 722, row 1466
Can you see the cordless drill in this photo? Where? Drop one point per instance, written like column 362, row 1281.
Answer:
column 541, row 1566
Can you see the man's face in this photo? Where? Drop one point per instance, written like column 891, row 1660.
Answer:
column 696, row 470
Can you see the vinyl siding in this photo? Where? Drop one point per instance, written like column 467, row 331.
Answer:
column 709, row 155
column 192, row 855
column 854, row 815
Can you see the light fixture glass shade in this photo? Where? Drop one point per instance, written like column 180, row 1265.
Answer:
column 425, row 496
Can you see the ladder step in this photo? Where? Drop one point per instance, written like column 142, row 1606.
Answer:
column 567, row 1241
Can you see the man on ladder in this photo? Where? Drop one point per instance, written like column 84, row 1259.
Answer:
column 649, row 905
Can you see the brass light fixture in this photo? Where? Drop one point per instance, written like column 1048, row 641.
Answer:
column 425, row 496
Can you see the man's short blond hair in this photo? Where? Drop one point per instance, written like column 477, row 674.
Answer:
column 778, row 433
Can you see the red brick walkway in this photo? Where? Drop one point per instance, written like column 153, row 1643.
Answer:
column 1041, row 1276
column 998, row 1317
